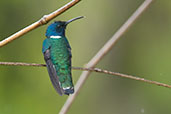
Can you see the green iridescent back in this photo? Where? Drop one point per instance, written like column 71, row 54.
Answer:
column 61, row 58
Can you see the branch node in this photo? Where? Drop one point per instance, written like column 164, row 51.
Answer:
column 43, row 20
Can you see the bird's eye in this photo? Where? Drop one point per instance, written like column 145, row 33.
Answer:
column 58, row 26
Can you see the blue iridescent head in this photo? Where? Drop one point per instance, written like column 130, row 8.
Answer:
column 58, row 27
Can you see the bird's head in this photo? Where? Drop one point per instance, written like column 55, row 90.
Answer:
column 58, row 27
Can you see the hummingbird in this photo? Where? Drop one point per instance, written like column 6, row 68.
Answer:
column 57, row 55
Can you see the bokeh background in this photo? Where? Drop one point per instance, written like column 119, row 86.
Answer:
column 143, row 51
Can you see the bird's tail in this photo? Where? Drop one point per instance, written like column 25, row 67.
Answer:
column 69, row 90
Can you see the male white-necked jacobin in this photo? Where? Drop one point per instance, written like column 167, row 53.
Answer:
column 57, row 55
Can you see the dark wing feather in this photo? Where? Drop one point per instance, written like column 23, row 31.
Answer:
column 52, row 72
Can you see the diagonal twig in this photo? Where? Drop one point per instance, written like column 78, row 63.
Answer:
column 91, row 70
column 45, row 19
column 102, row 52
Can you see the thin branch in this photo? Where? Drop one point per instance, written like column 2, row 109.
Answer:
column 45, row 19
column 91, row 70
column 22, row 64
column 102, row 52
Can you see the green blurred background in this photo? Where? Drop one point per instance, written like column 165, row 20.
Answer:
column 143, row 51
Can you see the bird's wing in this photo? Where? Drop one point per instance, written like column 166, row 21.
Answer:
column 52, row 72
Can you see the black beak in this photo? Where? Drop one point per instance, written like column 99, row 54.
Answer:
column 73, row 19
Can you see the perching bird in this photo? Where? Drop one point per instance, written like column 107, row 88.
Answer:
column 57, row 55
